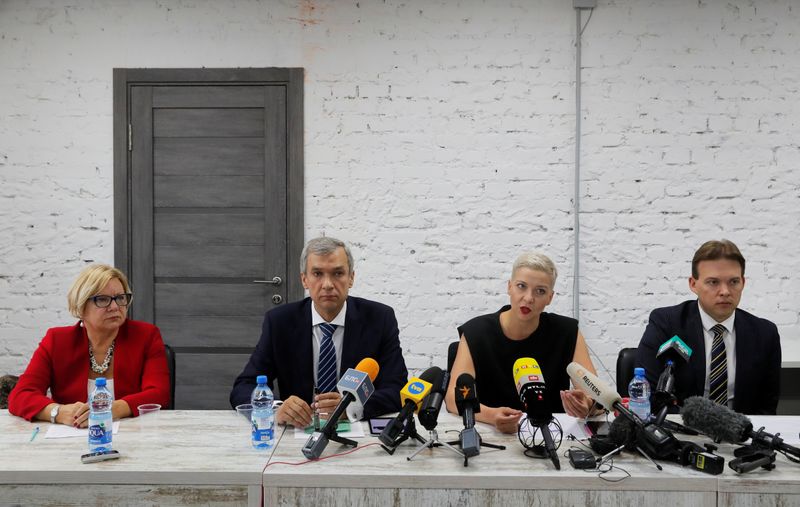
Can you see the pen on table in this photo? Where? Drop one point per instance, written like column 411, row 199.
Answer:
column 33, row 435
column 316, row 409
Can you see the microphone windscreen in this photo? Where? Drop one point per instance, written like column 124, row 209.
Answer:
column 431, row 374
column 623, row 432
column 715, row 420
column 369, row 366
column 526, row 370
column 465, row 388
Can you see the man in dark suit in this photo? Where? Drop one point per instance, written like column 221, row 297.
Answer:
column 310, row 343
column 736, row 356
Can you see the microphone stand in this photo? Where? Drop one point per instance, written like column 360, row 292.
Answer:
column 433, row 441
column 409, row 431
column 480, row 442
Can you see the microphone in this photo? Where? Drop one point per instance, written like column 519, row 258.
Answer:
column 533, row 394
column 432, row 404
column 356, row 388
column 599, row 391
column 468, row 406
column 673, row 352
column 651, row 439
column 411, row 397
column 722, row 423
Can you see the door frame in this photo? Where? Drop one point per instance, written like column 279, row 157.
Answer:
column 292, row 78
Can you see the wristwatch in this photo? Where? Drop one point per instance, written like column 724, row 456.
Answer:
column 54, row 413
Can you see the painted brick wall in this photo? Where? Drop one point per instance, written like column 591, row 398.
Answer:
column 440, row 142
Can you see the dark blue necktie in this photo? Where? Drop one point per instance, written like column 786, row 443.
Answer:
column 718, row 372
column 326, row 368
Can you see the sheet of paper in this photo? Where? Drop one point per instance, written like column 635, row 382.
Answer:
column 63, row 431
column 356, row 431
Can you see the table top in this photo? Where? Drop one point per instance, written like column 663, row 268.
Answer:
column 439, row 468
column 186, row 447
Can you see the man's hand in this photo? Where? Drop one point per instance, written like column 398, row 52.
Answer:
column 294, row 411
column 326, row 403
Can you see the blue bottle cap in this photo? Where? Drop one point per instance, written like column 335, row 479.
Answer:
column 261, row 379
column 99, row 381
column 638, row 372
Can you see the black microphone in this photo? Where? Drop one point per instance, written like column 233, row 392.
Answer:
column 675, row 353
column 535, row 398
column 468, row 405
column 722, row 423
column 356, row 388
column 412, row 396
column 429, row 411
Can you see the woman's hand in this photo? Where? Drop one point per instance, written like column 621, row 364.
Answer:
column 75, row 414
column 576, row 403
column 505, row 419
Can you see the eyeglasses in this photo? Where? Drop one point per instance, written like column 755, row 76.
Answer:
column 102, row 301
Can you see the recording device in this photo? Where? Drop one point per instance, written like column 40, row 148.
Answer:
column 467, row 404
column 411, row 396
column 94, row 457
column 429, row 411
column 674, row 353
column 723, row 424
column 581, row 459
column 701, row 458
column 356, row 388
column 533, row 394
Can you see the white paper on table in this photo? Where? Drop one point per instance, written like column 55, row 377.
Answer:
column 572, row 426
column 63, row 431
column 356, row 431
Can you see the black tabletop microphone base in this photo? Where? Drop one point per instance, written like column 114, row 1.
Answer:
column 409, row 431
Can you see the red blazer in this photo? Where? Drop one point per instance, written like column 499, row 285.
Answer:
column 61, row 363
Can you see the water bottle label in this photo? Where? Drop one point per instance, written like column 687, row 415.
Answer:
column 262, row 435
column 99, row 434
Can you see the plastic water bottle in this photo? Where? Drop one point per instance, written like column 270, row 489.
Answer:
column 100, row 422
column 639, row 392
column 262, row 417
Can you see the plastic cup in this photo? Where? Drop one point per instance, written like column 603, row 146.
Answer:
column 245, row 410
column 148, row 416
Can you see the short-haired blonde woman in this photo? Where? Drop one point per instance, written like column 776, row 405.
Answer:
column 490, row 344
column 103, row 343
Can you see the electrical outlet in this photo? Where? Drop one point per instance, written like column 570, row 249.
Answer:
column 584, row 4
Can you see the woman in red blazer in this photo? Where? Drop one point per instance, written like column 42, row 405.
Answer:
column 104, row 343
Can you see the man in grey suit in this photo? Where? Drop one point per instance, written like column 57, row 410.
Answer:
column 736, row 356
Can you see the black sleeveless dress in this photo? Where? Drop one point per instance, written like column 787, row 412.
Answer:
column 552, row 345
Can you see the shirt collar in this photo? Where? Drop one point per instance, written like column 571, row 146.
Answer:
column 709, row 322
column 316, row 318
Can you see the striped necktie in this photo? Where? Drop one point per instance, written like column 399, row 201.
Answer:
column 718, row 373
column 326, row 368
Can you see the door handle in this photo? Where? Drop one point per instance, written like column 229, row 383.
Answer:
column 276, row 280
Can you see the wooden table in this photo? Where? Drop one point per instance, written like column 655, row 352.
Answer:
column 191, row 458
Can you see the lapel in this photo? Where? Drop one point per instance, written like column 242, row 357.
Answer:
column 694, row 331
column 304, row 351
column 351, row 343
column 745, row 354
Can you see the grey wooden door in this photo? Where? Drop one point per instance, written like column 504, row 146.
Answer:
column 211, row 197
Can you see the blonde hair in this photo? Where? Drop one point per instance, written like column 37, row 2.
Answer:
column 538, row 262
column 91, row 281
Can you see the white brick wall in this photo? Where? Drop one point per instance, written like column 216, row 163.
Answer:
column 440, row 142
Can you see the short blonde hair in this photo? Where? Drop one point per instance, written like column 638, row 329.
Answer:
column 91, row 281
column 538, row 262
